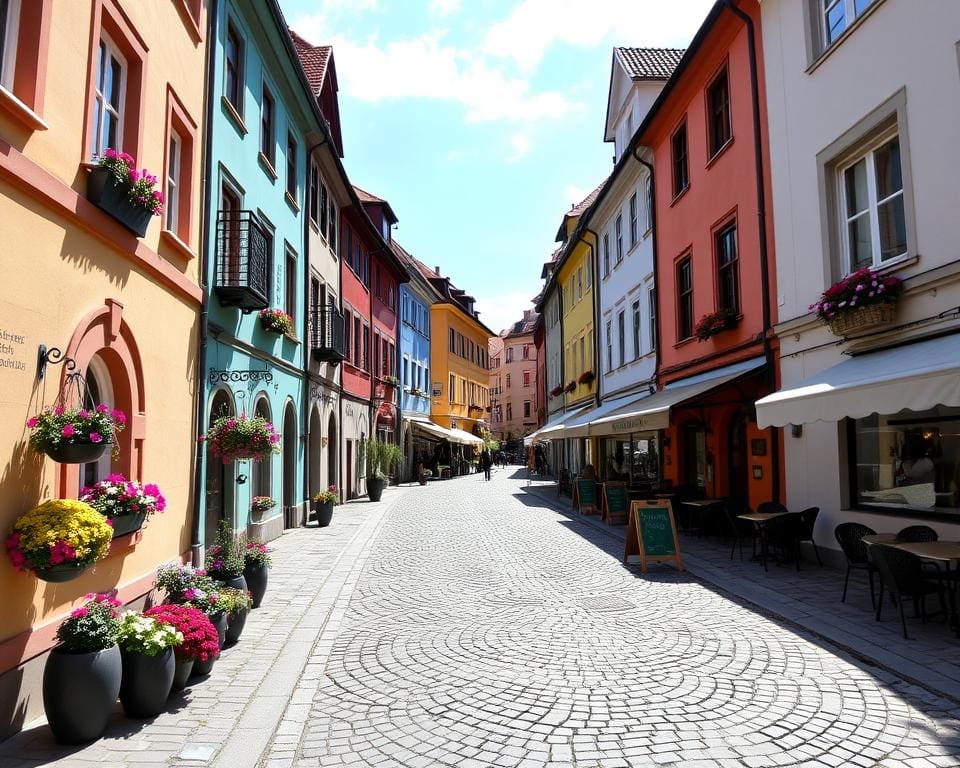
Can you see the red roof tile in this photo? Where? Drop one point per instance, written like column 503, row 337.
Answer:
column 313, row 59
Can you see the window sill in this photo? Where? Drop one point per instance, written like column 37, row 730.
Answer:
column 314, row 227
column 171, row 239
column 825, row 53
column 234, row 115
column 684, row 342
column 192, row 24
column 647, row 232
column 292, row 337
column 719, row 153
column 21, row 112
column 680, row 195
column 292, row 202
column 267, row 166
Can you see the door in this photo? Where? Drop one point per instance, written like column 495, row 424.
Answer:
column 332, row 445
column 218, row 497
column 349, row 489
column 291, row 518
column 739, row 477
column 694, row 470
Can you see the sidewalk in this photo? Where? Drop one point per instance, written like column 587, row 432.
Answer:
column 810, row 599
column 231, row 719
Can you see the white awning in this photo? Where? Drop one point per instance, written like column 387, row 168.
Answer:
column 553, row 429
column 913, row 377
column 459, row 436
column 653, row 412
column 582, row 424
column 432, row 429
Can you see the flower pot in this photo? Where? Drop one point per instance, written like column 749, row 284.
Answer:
column 124, row 524
column 861, row 318
column 79, row 693
column 219, row 620
column 57, row 574
column 236, row 621
column 256, row 576
column 202, row 668
column 323, row 512
column 77, row 453
column 181, row 673
column 237, row 582
column 147, row 681
column 375, row 486
column 108, row 194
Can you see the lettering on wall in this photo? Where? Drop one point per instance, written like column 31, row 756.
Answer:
column 12, row 349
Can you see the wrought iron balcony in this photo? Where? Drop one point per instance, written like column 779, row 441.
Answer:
column 326, row 335
column 243, row 261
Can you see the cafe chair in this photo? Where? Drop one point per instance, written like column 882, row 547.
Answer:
column 903, row 574
column 770, row 508
column 739, row 529
column 917, row 533
column 808, row 519
column 850, row 538
column 780, row 539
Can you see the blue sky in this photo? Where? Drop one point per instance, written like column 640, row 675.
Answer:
column 481, row 121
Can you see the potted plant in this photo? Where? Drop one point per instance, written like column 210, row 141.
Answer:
column 256, row 558
column 224, row 559
column 183, row 583
column 82, row 674
column 261, row 504
column 586, row 377
column 236, row 603
column 200, row 644
column 147, row 654
column 127, row 194
column 376, row 477
column 276, row 321
column 237, row 437
column 323, row 503
column 715, row 322
column 860, row 300
column 59, row 539
column 76, row 435
column 125, row 504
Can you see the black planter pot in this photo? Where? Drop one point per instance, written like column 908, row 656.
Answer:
column 77, row 453
column 375, row 486
column 323, row 513
column 124, row 524
column 105, row 192
column 237, row 582
column 60, row 573
column 202, row 668
column 181, row 673
column 219, row 620
column 236, row 621
column 147, row 681
column 256, row 576
column 79, row 693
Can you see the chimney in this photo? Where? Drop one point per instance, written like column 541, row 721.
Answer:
column 437, row 271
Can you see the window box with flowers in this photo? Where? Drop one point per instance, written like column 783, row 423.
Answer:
column 76, row 435
column 715, row 322
column 556, row 391
column 586, row 377
column 261, row 504
column 391, row 381
column 127, row 194
column 232, row 438
column 859, row 301
column 126, row 504
column 276, row 321
column 571, row 386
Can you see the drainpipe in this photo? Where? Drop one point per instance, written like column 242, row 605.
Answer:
column 595, row 287
column 653, row 234
column 761, row 219
column 200, row 401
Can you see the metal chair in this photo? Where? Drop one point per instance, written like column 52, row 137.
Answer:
column 916, row 533
column 808, row 519
column 740, row 529
column 903, row 574
column 850, row 538
column 780, row 536
column 770, row 508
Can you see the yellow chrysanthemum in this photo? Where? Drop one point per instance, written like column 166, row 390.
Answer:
column 74, row 522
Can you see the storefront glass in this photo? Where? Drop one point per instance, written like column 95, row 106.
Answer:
column 632, row 458
column 908, row 462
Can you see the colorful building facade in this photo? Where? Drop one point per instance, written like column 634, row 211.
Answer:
column 517, row 380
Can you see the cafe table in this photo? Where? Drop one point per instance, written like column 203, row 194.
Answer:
column 699, row 506
column 760, row 520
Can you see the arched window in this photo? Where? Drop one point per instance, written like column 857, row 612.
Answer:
column 98, row 390
column 261, row 471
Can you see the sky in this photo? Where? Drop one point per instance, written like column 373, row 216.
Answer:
column 482, row 121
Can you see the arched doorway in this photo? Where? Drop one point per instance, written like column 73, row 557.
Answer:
column 739, row 472
column 291, row 510
column 219, row 476
column 315, row 452
column 333, row 476
column 261, row 472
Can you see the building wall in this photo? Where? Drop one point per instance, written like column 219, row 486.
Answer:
column 516, row 393
column 414, row 351
column 578, row 325
column 553, row 350
column 498, row 410
column 458, row 413
column 355, row 294
column 76, row 280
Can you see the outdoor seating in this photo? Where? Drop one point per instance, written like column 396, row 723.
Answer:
column 808, row 519
column 903, row 574
column 915, row 533
column 780, row 538
column 770, row 508
column 739, row 529
column 850, row 538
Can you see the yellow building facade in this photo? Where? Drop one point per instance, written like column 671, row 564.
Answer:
column 81, row 77
column 459, row 364
column 575, row 280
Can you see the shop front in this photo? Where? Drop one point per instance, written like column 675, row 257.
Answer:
column 356, row 432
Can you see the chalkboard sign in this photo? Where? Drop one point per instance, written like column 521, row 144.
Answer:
column 585, row 496
column 616, row 502
column 652, row 534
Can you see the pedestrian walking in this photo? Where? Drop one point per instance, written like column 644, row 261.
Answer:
column 486, row 462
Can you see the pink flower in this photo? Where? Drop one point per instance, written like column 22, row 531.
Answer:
column 103, row 407
column 68, row 430
column 84, row 413
column 58, row 411
column 96, row 437
column 79, row 613
column 32, row 422
column 115, row 478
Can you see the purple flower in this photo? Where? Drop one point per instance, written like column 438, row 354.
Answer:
column 96, row 437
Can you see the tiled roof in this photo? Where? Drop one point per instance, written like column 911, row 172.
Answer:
column 522, row 327
column 314, row 60
column 587, row 201
column 649, row 63
column 366, row 197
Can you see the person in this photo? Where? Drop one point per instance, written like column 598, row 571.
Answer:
column 486, row 462
column 540, row 458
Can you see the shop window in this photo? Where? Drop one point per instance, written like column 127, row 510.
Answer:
column 910, row 464
column 632, row 458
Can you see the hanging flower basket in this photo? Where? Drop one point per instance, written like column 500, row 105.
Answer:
column 715, row 322
column 276, row 321
column 76, row 435
column 859, row 301
column 586, row 377
column 125, row 503
column 237, row 437
column 127, row 194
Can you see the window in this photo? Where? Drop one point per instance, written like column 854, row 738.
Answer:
column 9, row 31
column 583, row 354
column 377, row 360
column 589, row 270
column 332, row 224
column 579, row 283
column 681, row 176
column 652, row 309
column 621, row 333
column 463, row 391
column 526, row 409
column 526, row 378
column 291, row 166
column 290, row 279
column 609, row 345
column 508, row 381
column 453, row 388
column 633, row 219
column 619, row 231
column 728, row 278
column 508, row 354
column 509, row 411
column 313, row 195
column 267, row 117
column 872, row 201
column 648, row 203
column 838, row 15
column 108, row 99
column 172, row 203
column 636, row 329
column 233, row 87
column 178, row 169
column 684, row 299
column 526, row 351
column 366, row 348
column 606, row 254
column 357, row 343
column 718, row 113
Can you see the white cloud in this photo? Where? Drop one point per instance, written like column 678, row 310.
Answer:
column 572, row 194
column 520, row 145
column 500, row 311
column 443, row 7
column 533, row 26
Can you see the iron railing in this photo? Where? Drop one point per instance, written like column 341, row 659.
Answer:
column 243, row 261
column 326, row 334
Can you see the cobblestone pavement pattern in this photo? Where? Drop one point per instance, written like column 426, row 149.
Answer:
column 481, row 628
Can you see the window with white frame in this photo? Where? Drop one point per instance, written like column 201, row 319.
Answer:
column 635, row 309
column 606, row 254
column 874, row 227
column 172, row 203
column 609, row 346
column 648, row 197
column 633, row 219
column 9, row 30
column 837, row 15
column 619, row 231
column 652, row 312
column 108, row 98
column 621, row 333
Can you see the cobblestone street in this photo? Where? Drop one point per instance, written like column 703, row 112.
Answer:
column 468, row 624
